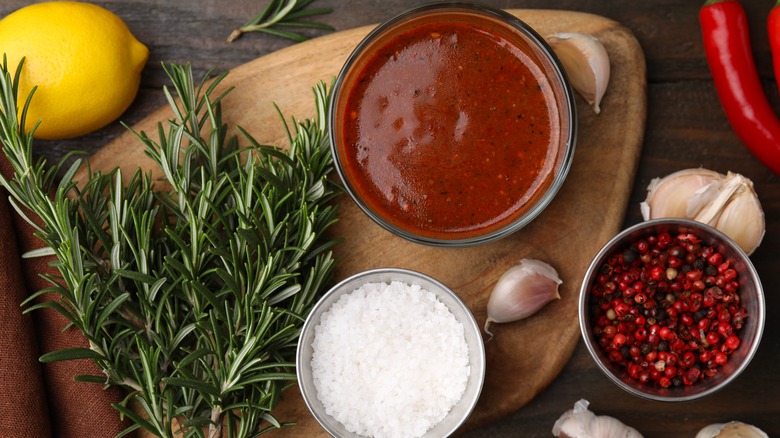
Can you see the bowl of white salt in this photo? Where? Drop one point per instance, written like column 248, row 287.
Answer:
column 390, row 352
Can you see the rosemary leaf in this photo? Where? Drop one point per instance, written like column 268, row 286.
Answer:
column 70, row 354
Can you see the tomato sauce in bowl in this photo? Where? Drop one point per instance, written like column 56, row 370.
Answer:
column 450, row 125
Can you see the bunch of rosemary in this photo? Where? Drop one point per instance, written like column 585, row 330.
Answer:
column 191, row 299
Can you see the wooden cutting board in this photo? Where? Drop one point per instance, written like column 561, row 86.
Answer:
column 523, row 357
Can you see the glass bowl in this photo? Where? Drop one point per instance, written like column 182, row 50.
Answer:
column 447, row 137
column 473, row 336
column 750, row 292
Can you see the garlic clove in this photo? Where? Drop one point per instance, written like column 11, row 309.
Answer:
column 521, row 291
column 728, row 203
column 586, row 63
column 580, row 422
column 711, row 208
column 670, row 196
column 743, row 219
column 732, row 429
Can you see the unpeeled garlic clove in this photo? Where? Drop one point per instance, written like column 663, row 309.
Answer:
column 586, row 63
column 580, row 422
column 521, row 291
column 728, row 203
column 732, row 429
column 743, row 220
column 671, row 195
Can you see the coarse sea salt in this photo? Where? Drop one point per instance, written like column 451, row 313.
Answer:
column 389, row 360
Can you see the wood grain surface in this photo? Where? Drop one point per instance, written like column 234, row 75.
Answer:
column 524, row 357
column 685, row 128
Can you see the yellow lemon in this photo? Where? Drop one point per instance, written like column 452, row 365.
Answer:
column 83, row 59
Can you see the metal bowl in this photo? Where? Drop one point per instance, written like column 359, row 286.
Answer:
column 459, row 412
column 751, row 297
column 557, row 81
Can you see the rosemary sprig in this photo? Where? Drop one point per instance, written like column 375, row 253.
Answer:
column 284, row 14
column 192, row 299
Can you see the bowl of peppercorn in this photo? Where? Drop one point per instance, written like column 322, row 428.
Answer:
column 671, row 310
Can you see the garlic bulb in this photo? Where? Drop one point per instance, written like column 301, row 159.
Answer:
column 586, row 63
column 726, row 202
column 733, row 429
column 582, row 423
column 521, row 291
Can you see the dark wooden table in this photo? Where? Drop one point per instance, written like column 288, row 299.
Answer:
column 685, row 128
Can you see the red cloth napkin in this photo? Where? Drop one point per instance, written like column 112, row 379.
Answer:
column 23, row 410
column 74, row 409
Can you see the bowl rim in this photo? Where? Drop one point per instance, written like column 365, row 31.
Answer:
column 609, row 247
column 569, row 109
column 469, row 322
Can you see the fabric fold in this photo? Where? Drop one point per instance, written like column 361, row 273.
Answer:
column 23, row 409
column 76, row 409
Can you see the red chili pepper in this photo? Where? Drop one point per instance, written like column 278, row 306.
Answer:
column 727, row 45
column 773, row 29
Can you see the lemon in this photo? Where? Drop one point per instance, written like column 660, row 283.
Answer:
column 83, row 59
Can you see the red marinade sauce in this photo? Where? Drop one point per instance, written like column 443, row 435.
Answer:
column 449, row 129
